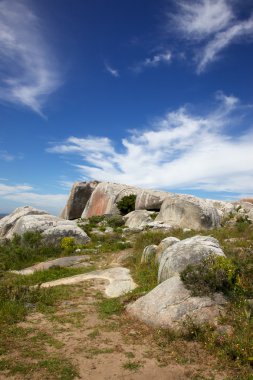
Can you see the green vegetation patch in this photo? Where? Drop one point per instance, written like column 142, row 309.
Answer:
column 213, row 274
column 127, row 204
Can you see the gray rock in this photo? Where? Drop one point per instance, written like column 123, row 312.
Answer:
column 170, row 304
column 186, row 211
column 189, row 251
column 149, row 253
column 53, row 229
column 62, row 262
column 137, row 218
column 119, row 280
column 250, row 215
column 155, row 225
column 224, row 208
column 8, row 222
column 150, row 200
column 105, row 197
column 164, row 244
column 78, row 198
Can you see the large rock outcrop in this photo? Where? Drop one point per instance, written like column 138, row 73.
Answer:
column 105, row 197
column 53, row 229
column 187, row 252
column 170, row 304
column 138, row 218
column 150, row 200
column 78, row 198
column 186, row 211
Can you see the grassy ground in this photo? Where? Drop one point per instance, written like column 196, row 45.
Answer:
column 29, row 349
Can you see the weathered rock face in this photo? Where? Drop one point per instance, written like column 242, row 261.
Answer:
column 53, row 229
column 149, row 253
column 223, row 208
column 8, row 222
column 164, row 244
column 186, row 211
column 150, row 200
column 105, row 197
column 137, row 219
column 170, row 303
column 118, row 281
column 186, row 252
column 78, row 198
column 250, row 215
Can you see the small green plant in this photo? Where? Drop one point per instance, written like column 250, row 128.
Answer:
column 68, row 244
column 242, row 223
column 132, row 365
column 115, row 221
column 127, row 204
column 109, row 306
column 213, row 274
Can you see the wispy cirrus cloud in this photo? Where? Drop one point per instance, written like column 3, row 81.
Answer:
column 28, row 69
column 114, row 72
column 209, row 26
column 181, row 151
column 153, row 61
column 9, row 157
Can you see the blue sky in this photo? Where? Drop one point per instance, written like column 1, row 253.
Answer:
column 153, row 93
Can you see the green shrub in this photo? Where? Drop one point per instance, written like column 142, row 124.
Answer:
column 127, row 204
column 23, row 251
column 115, row 221
column 68, row 244
column 242, row 223
column 213, row 274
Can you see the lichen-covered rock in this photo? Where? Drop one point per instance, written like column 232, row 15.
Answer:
column 150, row 200
column 78, row 198
column 149, row 253
column 186, row 211
column 188, row 251
column 170, row 304
column 53, row 229
column 137, row 218
column 163, row 245
column 105, row 197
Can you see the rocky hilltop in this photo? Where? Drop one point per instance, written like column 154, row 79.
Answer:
column 152, row 208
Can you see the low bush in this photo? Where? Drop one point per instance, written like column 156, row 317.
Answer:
column 127, row 204
column 213, row 274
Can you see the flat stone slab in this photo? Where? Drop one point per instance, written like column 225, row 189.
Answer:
column 62, row 262
column 120, row 281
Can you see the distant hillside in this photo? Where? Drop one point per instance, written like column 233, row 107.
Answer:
column 2, row 215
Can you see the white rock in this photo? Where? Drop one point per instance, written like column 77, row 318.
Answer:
column 149, row 253
column 188, row 251
column 119, row 278
column 53, row 229
column 170, row 304
column 137, row 218
column 187, row 211
column 164, row 244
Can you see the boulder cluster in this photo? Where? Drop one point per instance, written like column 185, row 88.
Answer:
column 153, row 208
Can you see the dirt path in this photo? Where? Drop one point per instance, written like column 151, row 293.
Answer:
column 113, row 347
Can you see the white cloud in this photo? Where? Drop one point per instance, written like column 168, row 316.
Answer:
column 209, row 26
column 13, row 189
column 153, row 61
column 25, row 195
column 111, row 70
column 200, row 18
column 222, row 40
column 29, row 71
column 8, row 157
column 47, row 201
column 180, row 151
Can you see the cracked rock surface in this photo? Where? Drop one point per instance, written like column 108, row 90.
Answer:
column 170, row 304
